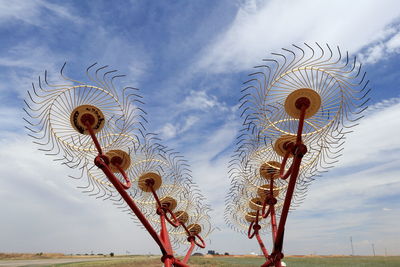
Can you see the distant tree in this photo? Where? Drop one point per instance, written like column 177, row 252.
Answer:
column 112, row 254
column 197, row 254
column 226, row 254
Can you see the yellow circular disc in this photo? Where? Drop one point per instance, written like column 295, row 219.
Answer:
column 93, row 112
column 194, row 229
column 182, row 216
column 270, row 170
column 263, row 191
column 311, row 95
column 123, row 159
column 251, row 216
column 279, row 145
column 169, row 202
column 256, row 203
column 149, row 175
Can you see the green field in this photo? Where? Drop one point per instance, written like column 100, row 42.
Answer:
column 140, row 261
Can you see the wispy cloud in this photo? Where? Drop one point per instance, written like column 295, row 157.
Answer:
column 357, row 198
column 23, row 64
column 39, row 198
column 343, row 202
column 262, row 26
column 170, row 130
column 373, row 141
column 201, row 100
column 198, row 108
column 35, row 12
column 191, row 95
column 383, row 49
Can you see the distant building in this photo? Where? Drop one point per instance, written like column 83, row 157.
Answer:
column 211, row 252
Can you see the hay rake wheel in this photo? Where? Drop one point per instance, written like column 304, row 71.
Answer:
column 297, row 108
column 100, row 131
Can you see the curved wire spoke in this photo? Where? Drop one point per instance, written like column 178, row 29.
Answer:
column 296, row 109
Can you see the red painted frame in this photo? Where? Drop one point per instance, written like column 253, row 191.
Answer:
column 298, row 150
column 162, row 239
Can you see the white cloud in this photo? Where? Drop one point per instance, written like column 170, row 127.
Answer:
column 43, row 212
column 374, row 141
column 373, row 54
column 48, row 201
column 189, row 122
column 262, row 26
column 394, row 43
column 24, row 63
column 358, row 198
column 168, row 131
column 35, row 12
column 197, row 107
column 202, row 101
column 381, row 50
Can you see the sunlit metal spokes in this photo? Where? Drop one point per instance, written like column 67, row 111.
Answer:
column 248, row 199
column 198, row 225
column 238, row 215
column 178, row 199
column 252, row 168
column 65, row 121
column 54, row 114
column 141, row 158
column 297, row 107
column 337, row 80
column 322, row 153
column 98, row 129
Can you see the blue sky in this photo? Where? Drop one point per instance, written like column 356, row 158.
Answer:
column 189, row 59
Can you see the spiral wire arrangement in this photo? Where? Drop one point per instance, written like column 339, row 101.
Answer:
column 97, row 125
column 306, row 97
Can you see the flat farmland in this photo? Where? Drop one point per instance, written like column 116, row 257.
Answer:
column 217, row 261
column 300, row 261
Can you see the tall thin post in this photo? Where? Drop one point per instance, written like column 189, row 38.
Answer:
column 351, row 244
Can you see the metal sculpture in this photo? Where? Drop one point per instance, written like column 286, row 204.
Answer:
column 296, row 108
column 100, row 130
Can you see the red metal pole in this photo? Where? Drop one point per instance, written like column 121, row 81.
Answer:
column 298, row 150
column 162, row 240
column 164, row 233
column 192, row 245
column 261, row 243
column 86, row 121
column 128, row 182
column 99, row 162
column 168, row 258
column 283, row 165
column 114, row 180
column 273, row 223
column 168, row 262
column 272, row 207
column 203, row 244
